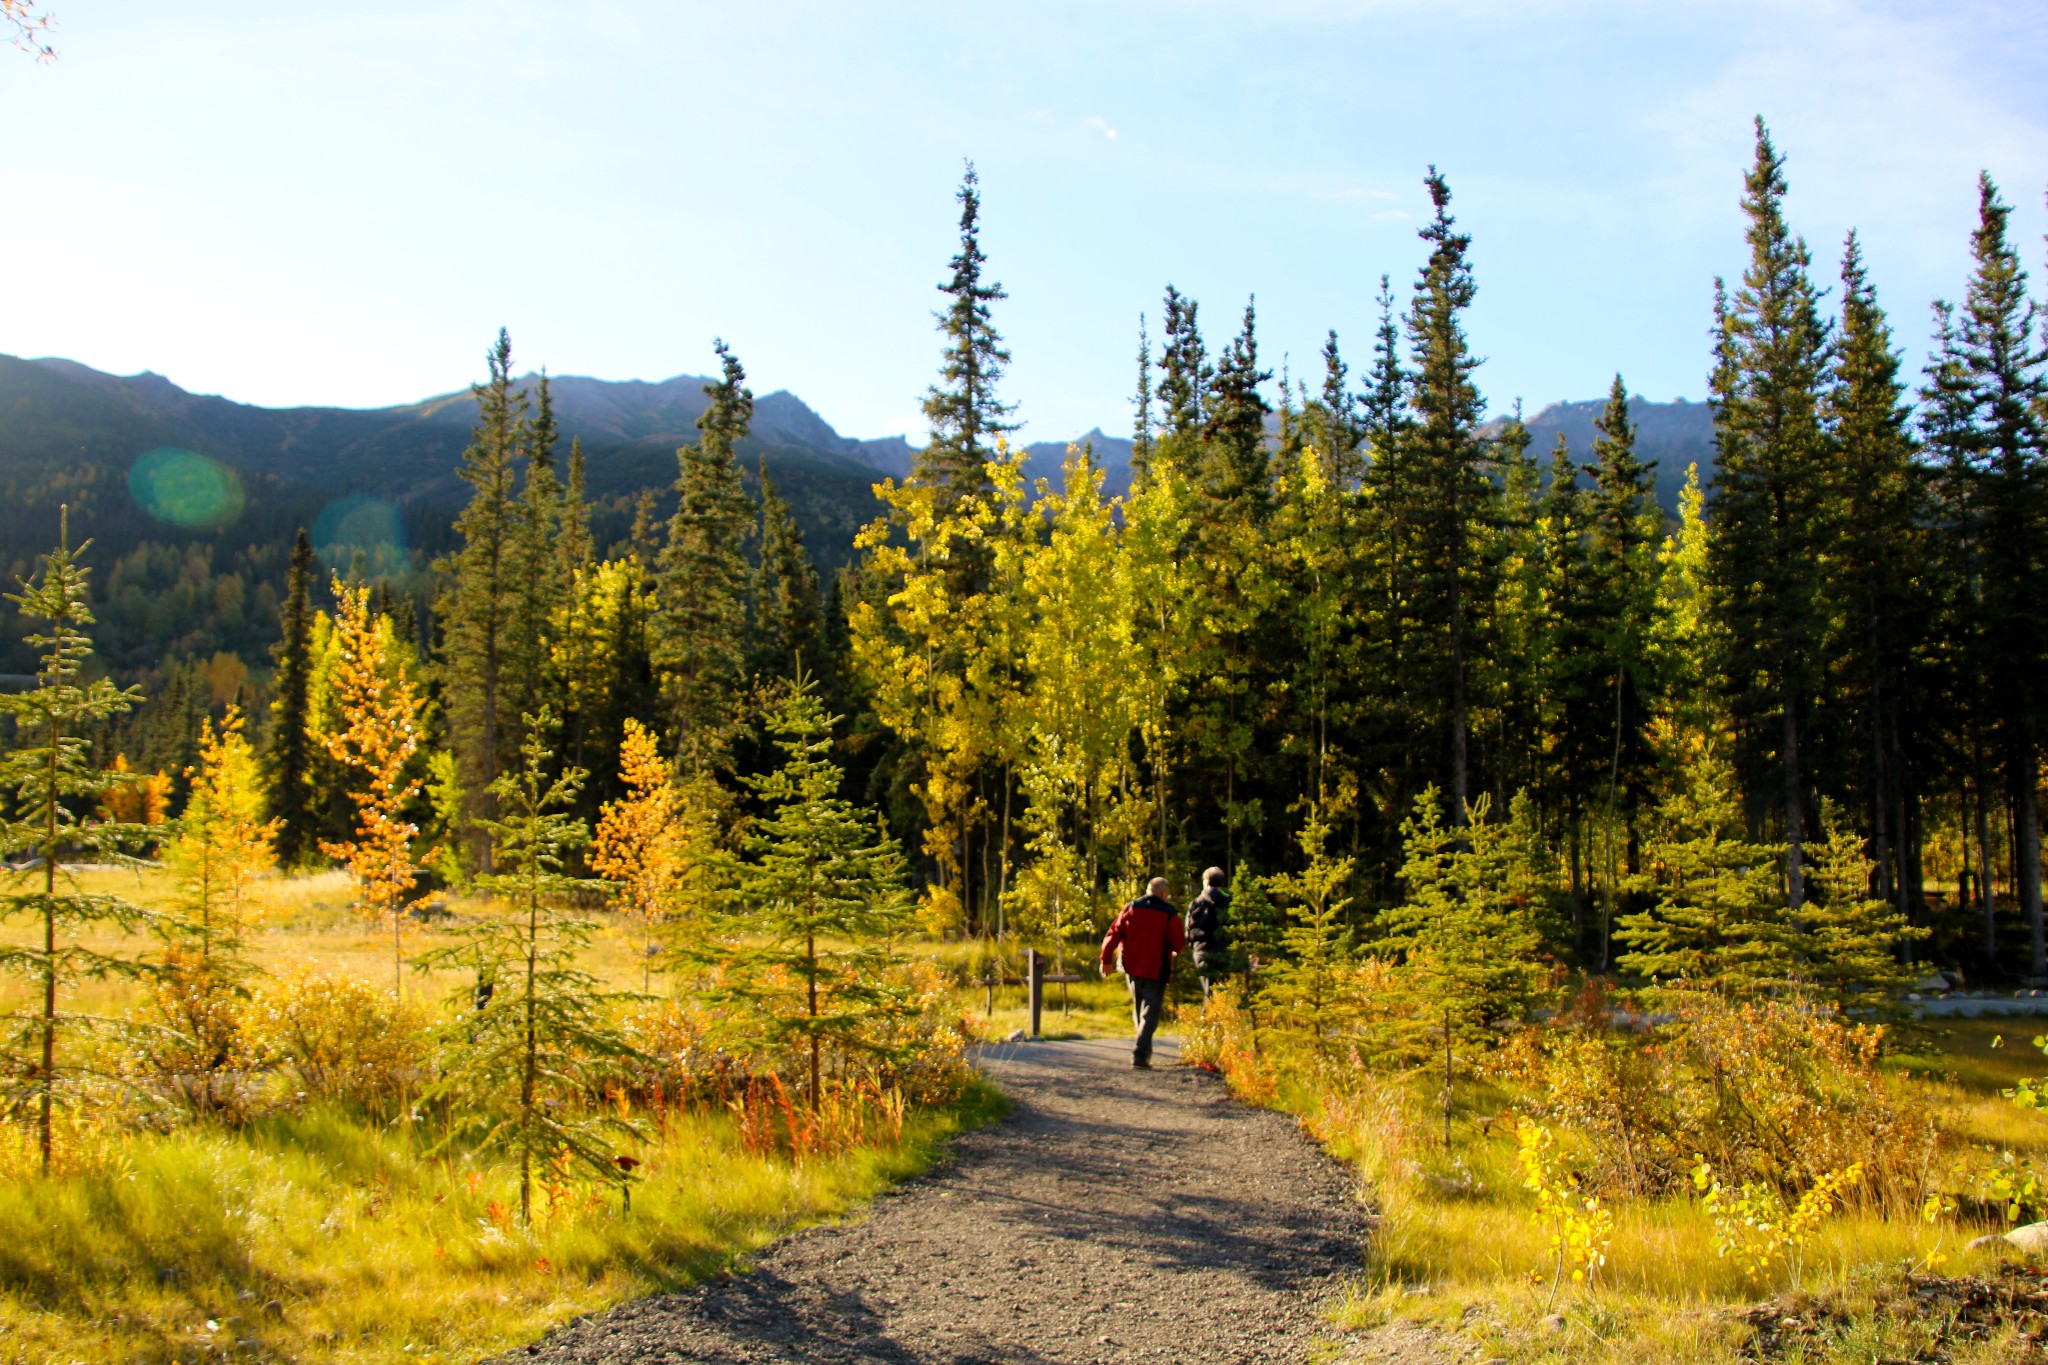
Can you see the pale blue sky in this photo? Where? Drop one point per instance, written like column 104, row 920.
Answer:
column 290, row 203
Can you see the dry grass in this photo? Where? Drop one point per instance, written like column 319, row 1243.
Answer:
column 323, row 1236
column 1460, row 1253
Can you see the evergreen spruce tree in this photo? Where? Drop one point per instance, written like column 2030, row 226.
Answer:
column 526, row 1064
column 788, row 611
column 1851, row 939
column 1625, row 529
column 1877, row 607
column 479, row 615
column 697, row 637
column 1183, row 370
column 1456, row 499
column 1141, row 423
column 1771, row 359
column 1341, row 432
column 822, row 902
column 1988, row 428
column 576, row 548
column 289, row 753
column 965, row 414
column 49, row 772
column 1719, row 922
column 1577, row 683
column 1623, row 565
column 1307, row 991
column 1383, row 406
column 1465, row 933
column 539, row 570
column 1234, row 425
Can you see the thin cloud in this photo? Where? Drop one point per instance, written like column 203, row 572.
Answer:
column 1100, row 125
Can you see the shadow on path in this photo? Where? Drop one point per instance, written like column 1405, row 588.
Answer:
column 1114, row 1215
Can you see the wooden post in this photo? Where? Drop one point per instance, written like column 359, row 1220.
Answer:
column 1034, row 973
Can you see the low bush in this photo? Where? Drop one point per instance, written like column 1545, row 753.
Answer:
column 337, row 1038
column 1766, row 1092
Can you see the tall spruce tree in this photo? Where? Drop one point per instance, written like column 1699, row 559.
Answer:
column 1383, row 405
column 1989, row 425
column 1340, row 433
column 50, row 774
column 787, row 610
column 1183, row 369
column 539, row 570
column 1626, row 526
column 1457, row 499
column 1578, row 684
column 1771, row 362
column 575, row 512
column 1234, row 426
column 1141, row 422
column 1877, row 608
column 964, row 412
column 480, row 611
column 289, row 747
column 697, row 637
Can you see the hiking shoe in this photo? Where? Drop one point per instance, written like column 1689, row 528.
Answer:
column 1142, row 1063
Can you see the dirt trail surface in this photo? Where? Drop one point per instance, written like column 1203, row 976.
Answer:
column 1115, row 1215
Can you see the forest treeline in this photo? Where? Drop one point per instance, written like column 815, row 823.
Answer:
column 1345, row 607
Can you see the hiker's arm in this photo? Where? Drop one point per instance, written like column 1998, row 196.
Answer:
column 1110, row 940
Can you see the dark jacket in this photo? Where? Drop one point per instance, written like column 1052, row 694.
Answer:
column 1149, row 932
column 1206, row 934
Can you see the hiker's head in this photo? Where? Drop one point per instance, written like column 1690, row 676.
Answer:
column 1157, row 887
column 1214, row 877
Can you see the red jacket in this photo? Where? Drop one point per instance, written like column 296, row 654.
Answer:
column 1150, row 933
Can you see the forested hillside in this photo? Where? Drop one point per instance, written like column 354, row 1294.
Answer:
column 193, row 550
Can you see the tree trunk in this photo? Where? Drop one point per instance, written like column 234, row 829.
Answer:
column 1459, row 813
column 1984, row 897
column 2027, row 845
column 1795, row 811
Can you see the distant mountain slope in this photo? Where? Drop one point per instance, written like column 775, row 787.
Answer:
column 1674, row 435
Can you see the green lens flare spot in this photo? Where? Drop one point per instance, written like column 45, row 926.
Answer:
column 186, row 488
column 361, row 535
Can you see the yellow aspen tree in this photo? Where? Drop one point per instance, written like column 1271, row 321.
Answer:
column 636, row 848
column 379, row 715
column 1155, row 589
column 1086, row 684
column 937, row 648
column 222, row 846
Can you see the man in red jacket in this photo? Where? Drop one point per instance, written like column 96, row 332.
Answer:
column 1149, row 932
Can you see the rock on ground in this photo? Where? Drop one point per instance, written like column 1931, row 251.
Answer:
column 1115, row 1215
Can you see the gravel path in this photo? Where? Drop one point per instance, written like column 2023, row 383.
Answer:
column 1115, row 1215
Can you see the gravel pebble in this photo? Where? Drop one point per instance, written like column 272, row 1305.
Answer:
column 1114, row 1215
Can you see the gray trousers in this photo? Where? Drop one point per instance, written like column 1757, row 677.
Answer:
column 1148, row 1002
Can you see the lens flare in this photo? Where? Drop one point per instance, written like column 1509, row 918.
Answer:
column 186, row 488
column 364, row 535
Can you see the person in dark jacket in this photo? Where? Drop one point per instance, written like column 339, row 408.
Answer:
column 1207, row 938
column 1148, row 934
